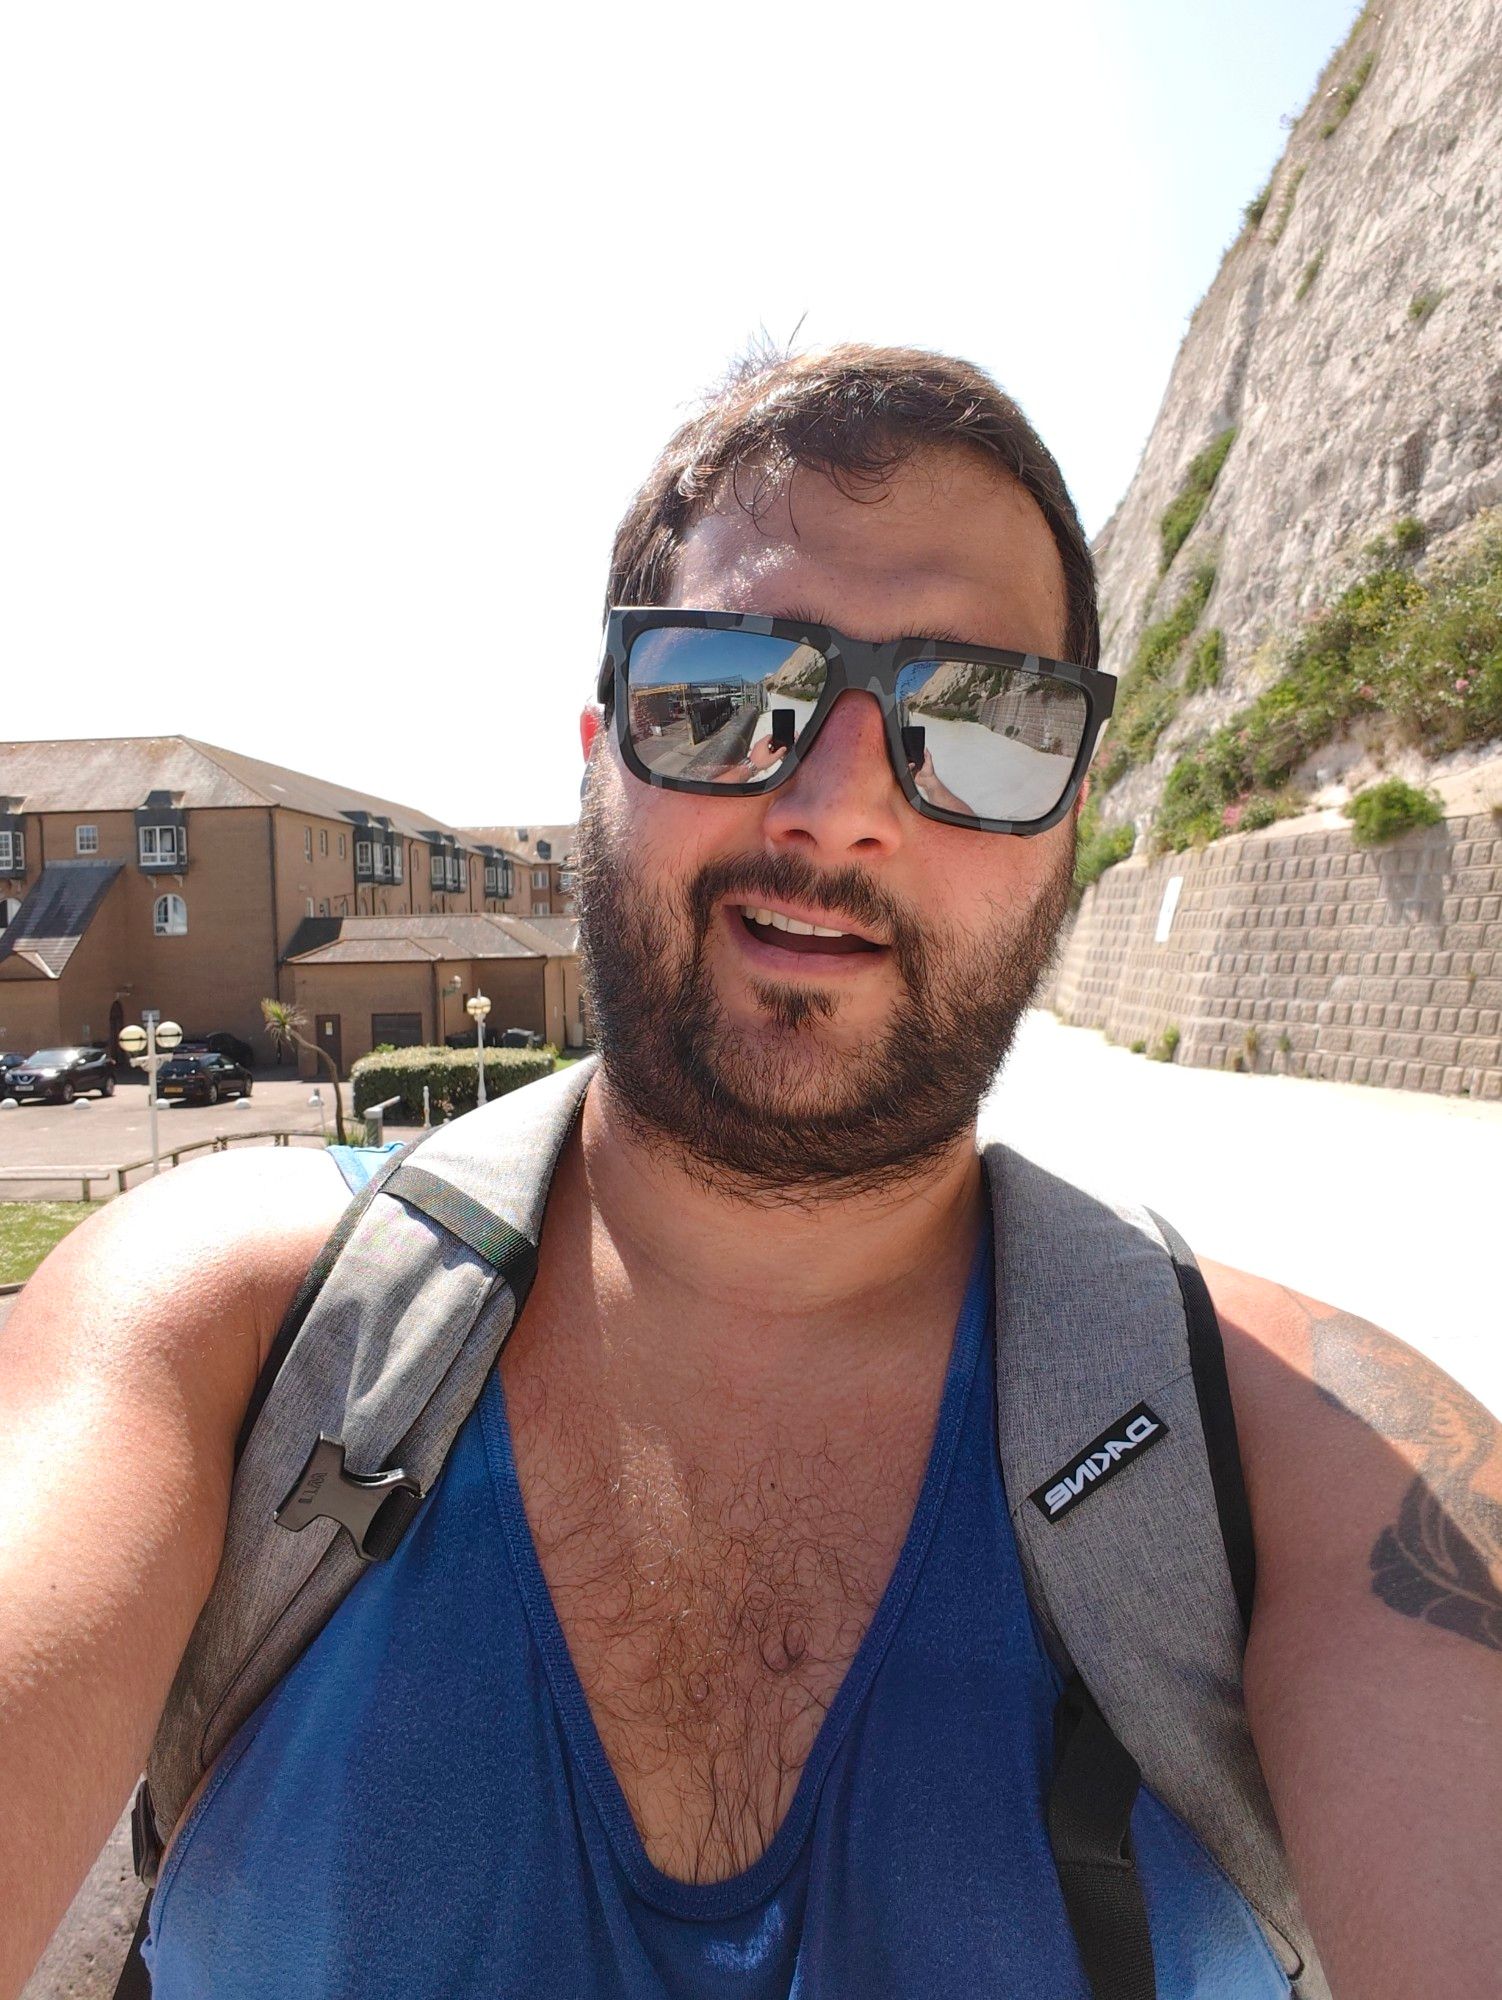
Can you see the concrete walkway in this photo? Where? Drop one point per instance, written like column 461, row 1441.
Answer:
column 1385, row 1202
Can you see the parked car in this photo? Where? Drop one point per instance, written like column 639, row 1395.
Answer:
column 59, row 1075
column 223, row 1044
column 203, row 1078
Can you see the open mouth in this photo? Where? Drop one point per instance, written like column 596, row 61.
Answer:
column 792, row 934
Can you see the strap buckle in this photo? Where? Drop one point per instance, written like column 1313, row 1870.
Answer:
column 324, row 1490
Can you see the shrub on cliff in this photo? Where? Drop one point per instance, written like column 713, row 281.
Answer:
column 1392, row 807
column 1098, row 847
column 1149, row 696
column 1184, row 510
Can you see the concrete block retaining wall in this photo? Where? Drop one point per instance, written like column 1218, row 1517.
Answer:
column 1294, row 950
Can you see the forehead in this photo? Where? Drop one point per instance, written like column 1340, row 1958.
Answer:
column 945, row 547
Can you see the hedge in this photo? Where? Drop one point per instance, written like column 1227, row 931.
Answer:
column 450, row 1076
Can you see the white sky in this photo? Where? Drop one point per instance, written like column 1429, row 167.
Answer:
column 337, row 337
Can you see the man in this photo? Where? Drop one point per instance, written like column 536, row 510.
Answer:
column 707, row 1669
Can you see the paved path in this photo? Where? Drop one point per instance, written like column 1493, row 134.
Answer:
column 115, row 1131
column 1380, row 1200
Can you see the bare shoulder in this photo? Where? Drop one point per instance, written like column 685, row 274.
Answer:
column 1363, row 1459
column 207, row 1258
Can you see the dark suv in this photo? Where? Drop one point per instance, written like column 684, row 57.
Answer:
column 203, row 1078
column 60, row 1075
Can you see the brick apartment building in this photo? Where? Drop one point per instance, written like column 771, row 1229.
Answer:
column 546, row 865
column 164, row 872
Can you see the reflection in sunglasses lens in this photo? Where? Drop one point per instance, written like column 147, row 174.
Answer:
column 996, row 742
column 719, row 707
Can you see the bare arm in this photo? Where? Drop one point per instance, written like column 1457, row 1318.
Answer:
column 1374, row 1671
column 125, row 1371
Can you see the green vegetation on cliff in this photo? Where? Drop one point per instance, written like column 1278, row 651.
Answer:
column 1098, row 847
column 1385, row 810
column 1152, row 691
column 1422, row 654
column 1184, row 510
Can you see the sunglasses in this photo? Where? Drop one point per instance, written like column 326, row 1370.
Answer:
column 726, row 704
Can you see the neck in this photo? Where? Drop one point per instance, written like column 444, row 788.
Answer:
column 834, row 1267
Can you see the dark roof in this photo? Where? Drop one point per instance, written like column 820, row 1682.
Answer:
column 562, row 840
column 434, row 934
column 58, row 909
column 115, row 774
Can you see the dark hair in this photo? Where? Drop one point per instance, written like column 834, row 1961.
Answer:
column 854, row 413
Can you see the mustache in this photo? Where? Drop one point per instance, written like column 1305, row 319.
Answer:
column 843, row 892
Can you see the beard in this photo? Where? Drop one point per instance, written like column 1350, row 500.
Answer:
column 782, row 1112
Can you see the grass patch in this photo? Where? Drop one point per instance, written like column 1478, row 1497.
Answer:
column 1184, row 510
column 1422, row 305
column 1167, row 1045
column 1343, row 99
column 1385, row 810
column 1308, row 275
column 1098, row 847
column 1152, row 692
column 1206, row 662
column 1285, row 207
column 1256, row 208
column 29, row 1229
column 1426, row 654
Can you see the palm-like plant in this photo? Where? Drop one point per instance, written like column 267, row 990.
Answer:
column 284, row 1024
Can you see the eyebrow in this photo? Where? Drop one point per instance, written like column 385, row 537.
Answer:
column 797, row 614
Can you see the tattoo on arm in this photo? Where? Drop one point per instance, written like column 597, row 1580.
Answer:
column 1441, row 1560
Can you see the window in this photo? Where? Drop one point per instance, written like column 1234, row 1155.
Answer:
column 311, row 910
column 435, row 870
column 542, row 909
column 539, row 878
column 362, row 857
column 86, row 840
column 323, row 908
column 382, row 860
column 307, row 842
column 463, row 871
column 566, row 879
column 170, row 915
column 396, row 862
column 402, row 1031
column 323, row 840
column 342, row 848
column 163, row 846
column 12, row 853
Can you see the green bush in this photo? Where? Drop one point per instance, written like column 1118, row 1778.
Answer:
column 1256, row 208
column 1285, row 207
column 1147, row 700
column 1385, row 810
column 1422, row 304
column 1098, row 847
column 1206, row 662
column 1167, row 1046
column 1346, row 96
column 1139, row 1048
column 1188, row 504
column 450, row 1076
column 1308, row 275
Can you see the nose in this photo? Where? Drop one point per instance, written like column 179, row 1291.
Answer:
column 842, row 800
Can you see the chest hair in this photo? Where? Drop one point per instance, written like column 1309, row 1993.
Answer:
column 712, row 1603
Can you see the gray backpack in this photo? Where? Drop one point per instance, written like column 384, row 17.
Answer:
column 1116, row 1437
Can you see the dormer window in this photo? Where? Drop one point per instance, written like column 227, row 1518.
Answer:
column 86, row 840
column 163, row 846
column 362, row 858
column 436, row 872
column 12, row 852
column 396, row 861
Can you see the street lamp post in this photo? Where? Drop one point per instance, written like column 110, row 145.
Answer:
column 145, row 1049
column 477, row 1007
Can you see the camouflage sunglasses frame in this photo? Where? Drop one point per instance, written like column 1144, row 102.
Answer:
column 856, row 664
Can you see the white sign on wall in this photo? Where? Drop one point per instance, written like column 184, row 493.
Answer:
column 1167, row 908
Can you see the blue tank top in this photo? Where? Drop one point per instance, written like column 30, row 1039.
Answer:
column 423, row 1805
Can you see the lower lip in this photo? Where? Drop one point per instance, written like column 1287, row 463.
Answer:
column 772, row 958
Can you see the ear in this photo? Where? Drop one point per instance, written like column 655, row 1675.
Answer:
column 591, row 721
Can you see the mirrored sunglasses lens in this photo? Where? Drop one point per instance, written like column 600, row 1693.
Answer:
column 989, row 742
column 719, row 708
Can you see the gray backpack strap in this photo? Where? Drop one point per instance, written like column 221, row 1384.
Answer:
column 382, row 1357
column 1118, row 1505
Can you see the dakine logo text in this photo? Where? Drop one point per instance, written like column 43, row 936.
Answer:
column 1101, row 1460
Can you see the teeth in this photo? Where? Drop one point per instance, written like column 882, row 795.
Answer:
column 778, row 922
